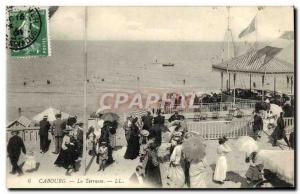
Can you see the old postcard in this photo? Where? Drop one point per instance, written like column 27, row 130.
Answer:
column 150, row 97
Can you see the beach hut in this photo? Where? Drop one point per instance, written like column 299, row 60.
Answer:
column 20, row 122
column 252, row 63
column 50, row 112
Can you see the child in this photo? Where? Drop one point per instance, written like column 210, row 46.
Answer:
column 102, row 154
column 30, row 163
column 254, row 173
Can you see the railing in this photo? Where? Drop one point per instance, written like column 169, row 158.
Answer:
column 289, row 124
column 217, row 129
column 212, row 107
column 27, row 134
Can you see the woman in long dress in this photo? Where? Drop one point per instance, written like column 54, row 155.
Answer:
column 197, row 173
column 221, row 165
column 176, row 175
column 67, row 155
column 152, row 170
column 133, row 147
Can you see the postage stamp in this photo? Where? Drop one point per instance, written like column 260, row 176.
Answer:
column 28, row 32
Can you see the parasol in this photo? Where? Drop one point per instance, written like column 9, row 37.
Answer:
column 276, row 110
column 280, row 162
column 193, row 149
column 247, row 144
column 110, row 117
column 138, row 113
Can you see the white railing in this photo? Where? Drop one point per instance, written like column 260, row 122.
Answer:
column 212, row 107
column 217, row 129
column 27, row 134
column 289, row 124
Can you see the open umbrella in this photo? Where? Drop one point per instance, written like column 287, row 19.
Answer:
column 247, row 144
column 110, row 117
column 276, row 110
column 280, row 162
column 194, row 149
column 137, row 113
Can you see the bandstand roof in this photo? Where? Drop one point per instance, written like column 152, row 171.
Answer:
column 243, row 64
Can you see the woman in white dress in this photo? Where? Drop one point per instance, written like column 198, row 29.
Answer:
column 176, row 177
column 221, row 165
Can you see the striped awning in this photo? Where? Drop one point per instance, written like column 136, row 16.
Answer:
column 246, row 64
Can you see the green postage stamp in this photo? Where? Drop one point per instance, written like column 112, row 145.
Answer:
column 28, row 32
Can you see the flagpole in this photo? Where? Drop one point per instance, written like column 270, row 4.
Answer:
column 255, row 47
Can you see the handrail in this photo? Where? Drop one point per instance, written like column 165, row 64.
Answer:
column 289, row 124
column 211, row 107
column 25, row 132
column 217, row 129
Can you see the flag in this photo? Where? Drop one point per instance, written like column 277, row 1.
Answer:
column 289, row 35
column 52, row 10
column 268, row 51
column 249, row 29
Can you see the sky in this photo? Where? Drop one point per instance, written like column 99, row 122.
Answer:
column 169, row 23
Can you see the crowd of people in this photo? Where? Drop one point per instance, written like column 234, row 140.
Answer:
column 68, row 139
column 144, row 135
column 144, row 141
column 274, row 121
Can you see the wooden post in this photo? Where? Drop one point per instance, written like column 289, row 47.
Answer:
column 250, row 82
column 292, row 84
column 234, row 79
column 263, row 91
column 274, row 84
column 221, row 86
column 229, row 80
column 221, row 81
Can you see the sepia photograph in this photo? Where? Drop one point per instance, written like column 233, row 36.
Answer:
column 153, row 97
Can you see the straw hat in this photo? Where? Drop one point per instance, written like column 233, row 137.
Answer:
column 145, row 133
column 103, row 143
column 177, row 136
column 67, row 130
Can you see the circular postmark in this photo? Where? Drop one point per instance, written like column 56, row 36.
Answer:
column 24, row 27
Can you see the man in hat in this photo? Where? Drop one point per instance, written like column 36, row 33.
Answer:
column 176, row 117
column 14, row 147
column 105, row 133
column 147, row 121
column 57, row 132
column 156, row 130
column 43, row 132
column 257, row 125
column 279, row 132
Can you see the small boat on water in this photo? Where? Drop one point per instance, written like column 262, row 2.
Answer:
column 168, row 64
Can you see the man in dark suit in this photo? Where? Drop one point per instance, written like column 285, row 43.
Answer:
column 43, row 132
column 14, row 147
column 257, row 126
column 105, row 133
column 147, row 121
column 279, row 131
column 138, row 176
column 176, row 117
column 156, row 130
column 160, row 120
column 57, row 131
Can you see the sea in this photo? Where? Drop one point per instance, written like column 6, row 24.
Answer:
column 114, row 66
